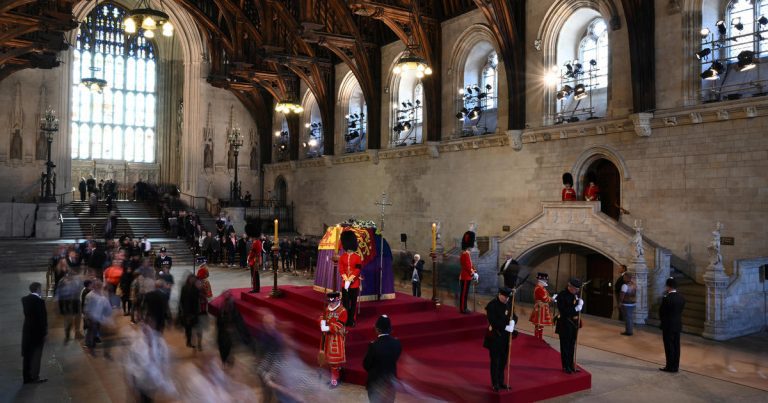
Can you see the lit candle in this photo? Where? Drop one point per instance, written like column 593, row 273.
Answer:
column 434, row 237
column 275, row 231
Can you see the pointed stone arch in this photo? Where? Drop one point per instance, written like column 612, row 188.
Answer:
column 349, row 85
column 465, row 44
column 592, row 154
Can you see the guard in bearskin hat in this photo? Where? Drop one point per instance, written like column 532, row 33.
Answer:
column 350, row 265
column 468, row 270
column 541, row 315
column 569, row 194
column 334, row 331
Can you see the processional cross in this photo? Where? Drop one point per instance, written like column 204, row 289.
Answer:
column 383, row 203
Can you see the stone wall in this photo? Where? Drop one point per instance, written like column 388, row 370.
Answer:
column 17, row 219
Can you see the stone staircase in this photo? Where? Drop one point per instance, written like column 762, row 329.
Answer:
column 30, row 255
column 133, row 219
column 695, row 311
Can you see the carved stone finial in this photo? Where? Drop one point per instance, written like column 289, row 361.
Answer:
column 642, row 123
column 638, row 251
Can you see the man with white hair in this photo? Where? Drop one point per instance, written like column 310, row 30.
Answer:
column 416, row 276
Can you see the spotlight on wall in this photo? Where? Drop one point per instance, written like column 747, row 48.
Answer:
column 580, row 92
column 718, row 67
column 703, row 53
column 705, row 32
column 462, row 114
column 475, row 114
column 746, row 60
column 762, row 20
column 710, row 74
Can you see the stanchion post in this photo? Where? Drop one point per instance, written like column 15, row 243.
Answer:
column 276, row 293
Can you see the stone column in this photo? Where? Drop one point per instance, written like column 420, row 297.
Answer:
column 717, row 286
column 638, row 266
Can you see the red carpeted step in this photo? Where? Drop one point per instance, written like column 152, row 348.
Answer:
column 442, row 349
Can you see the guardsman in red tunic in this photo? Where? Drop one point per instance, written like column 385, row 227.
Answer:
column 468, row 271
column 541, row 315
column 350, row 264
column 569, row 194
column 254, row 257
column 332, row 325
column 592, row 192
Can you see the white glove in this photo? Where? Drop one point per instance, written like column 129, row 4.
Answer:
column 579, row 305
column 554, row 298
column 511, row 326
column 475, row 276
column 323, row 323
column 324, row 328
column 347, row 284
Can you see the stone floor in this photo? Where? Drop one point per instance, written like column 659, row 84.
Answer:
column 623, row 368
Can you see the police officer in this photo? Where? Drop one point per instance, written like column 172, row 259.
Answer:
column 569, row 305
column 163, row 262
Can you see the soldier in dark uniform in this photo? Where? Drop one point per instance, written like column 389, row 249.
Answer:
column 671, row 315
column 163, row 262
column 569, row 305
column 497, row 338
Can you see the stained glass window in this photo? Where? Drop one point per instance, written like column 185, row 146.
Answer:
column 119, row 123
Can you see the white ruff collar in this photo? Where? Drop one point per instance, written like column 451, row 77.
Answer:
column 333, row 309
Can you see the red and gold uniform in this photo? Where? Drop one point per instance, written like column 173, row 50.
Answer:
column 592, row 192
column 569, row 194
column 541, row 315
column 335, row 318
column 350, row 264
column 254, row 263
column 465, row 277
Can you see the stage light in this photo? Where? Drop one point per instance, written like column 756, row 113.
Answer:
column 710, row 74
column 746, row 60
column 721, row 27
column 736, row 22
column 475, row 114
column 718, row 67
column 580, row 92
column 703, row 53
column 705, row 32
column 762, row 20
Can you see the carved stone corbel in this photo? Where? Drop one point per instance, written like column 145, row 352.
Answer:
column 696, row 117
column 750, row 111
column 432, row 149
column 515, row 139
column 723, row 114
column 374, row 155
column 642, row 123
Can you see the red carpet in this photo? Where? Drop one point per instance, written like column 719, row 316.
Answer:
column 442, row 349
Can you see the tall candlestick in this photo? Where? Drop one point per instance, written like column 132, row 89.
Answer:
column 434, row 236
column 276, row 222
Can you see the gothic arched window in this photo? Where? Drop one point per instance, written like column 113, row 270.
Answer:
column 489, row 80
column 355, row 136
column 594, row 47
column 745, row 19
column 119, row 122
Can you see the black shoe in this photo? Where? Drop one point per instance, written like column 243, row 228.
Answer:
column 665, row 369
column 626, row 334
column 38, row 380
column 567, row 370
column 495, row 388
column 504, row 387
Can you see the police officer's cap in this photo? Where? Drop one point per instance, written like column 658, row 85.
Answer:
column 506, row 291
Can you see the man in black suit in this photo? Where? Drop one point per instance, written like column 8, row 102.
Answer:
column 671, row 315
column 569, row 305
column 509, row 271
column 33, row 333
column 381, row 363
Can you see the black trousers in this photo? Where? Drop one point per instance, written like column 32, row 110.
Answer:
column 671, row 348
column 416, row 288
column 464, row 295
column 31, row 363
column 349, row 300
column 567, row 343
column 499, row 353
column 255, row 279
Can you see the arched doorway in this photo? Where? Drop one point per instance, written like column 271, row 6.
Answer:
column 609, row 181
column 562, row 261
column 281, row 191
